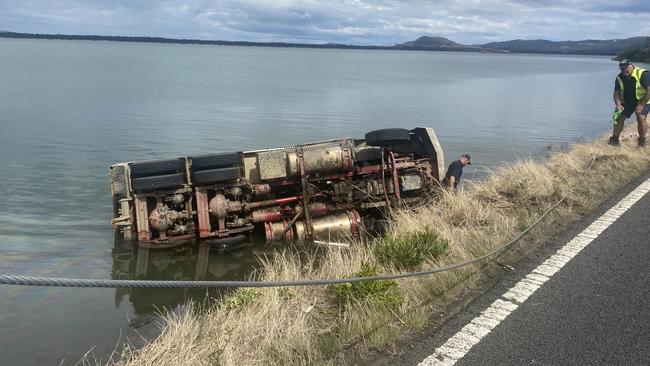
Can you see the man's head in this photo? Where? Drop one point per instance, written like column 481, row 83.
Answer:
column 626, row 67
column 465, row 159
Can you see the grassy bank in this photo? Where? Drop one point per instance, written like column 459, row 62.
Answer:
column 313, row 325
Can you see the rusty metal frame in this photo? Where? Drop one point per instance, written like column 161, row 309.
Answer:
column 309, row 229
column 203, row 213
column 142, row 218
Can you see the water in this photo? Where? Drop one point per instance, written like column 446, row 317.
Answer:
column 69, row 109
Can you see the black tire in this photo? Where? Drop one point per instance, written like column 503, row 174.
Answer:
column 368, row 154
column 205, row 177
column 214, row 161
column 158, row 182
column 388, row 136
column 157, row 167
column 380, row 226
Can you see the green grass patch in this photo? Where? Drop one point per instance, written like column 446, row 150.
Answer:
column 241, row 298
column 408, row 250
column 385, row 292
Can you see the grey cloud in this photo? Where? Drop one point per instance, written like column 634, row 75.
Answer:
column 382, row 22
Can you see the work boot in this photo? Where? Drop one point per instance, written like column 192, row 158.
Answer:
column 614, row 141
column 641, row 141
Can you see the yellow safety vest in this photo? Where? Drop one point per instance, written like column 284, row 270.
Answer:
column 640, row 90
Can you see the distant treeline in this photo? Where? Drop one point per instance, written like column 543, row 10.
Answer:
column 635, row 48
column 409, row 46
column 181, row 41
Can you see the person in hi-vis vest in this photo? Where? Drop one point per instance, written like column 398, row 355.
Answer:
column 631, row 95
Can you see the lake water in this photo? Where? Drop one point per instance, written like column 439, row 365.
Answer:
column 69, row 109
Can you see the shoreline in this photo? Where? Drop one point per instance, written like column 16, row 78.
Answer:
column 397, row 47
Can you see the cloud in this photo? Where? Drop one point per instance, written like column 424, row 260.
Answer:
column 380, row 22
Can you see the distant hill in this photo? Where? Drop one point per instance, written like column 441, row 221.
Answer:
column 640, row 54
column 635, row 48
column 435, row 43
column 586, row 47
column 426, row 41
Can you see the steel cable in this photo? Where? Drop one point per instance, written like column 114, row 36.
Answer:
column 99, row 283
column 75, row 282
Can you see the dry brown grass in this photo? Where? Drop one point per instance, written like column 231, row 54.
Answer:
column 306, row 325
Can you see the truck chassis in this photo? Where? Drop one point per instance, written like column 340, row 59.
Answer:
column 322, row 191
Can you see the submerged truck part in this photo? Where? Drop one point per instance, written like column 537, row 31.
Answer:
column 298, row 193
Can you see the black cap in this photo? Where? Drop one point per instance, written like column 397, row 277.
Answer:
column 624, row 63
column 466, row 156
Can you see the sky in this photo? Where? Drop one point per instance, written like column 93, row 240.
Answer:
column 355, row 22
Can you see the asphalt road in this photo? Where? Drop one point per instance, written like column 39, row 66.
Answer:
column 593, row 311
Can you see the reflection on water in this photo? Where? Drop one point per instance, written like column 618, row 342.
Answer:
column 192, row 261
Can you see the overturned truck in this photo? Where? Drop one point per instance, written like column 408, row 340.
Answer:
column 301, row 193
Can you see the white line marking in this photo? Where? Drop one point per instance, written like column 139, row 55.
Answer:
column 486, row 321
column 476, row 330
column 537, row 278
column 497, row 314
column 462, row 342
column 546, row 270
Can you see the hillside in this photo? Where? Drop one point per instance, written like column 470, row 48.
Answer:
column 585, row 47
column 433, row 42
column 639, row 54
column 427, row 43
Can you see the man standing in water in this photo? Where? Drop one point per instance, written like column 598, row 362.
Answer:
column 455, row 171
column 631, row 95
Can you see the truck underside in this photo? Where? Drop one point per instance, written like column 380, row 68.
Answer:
column 322, row 191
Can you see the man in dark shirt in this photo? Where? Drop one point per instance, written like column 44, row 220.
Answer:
column 455, row 171
column 631, row 95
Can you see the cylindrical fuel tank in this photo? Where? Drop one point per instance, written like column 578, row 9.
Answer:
column 333, row 158
column 326, row 228
column 274, row 230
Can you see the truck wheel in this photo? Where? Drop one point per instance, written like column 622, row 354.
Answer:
column 380, row 226
column 388, row 136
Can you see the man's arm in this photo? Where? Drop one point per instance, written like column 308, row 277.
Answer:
column 618, row 97
column 618, row 101
column 452, row 182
